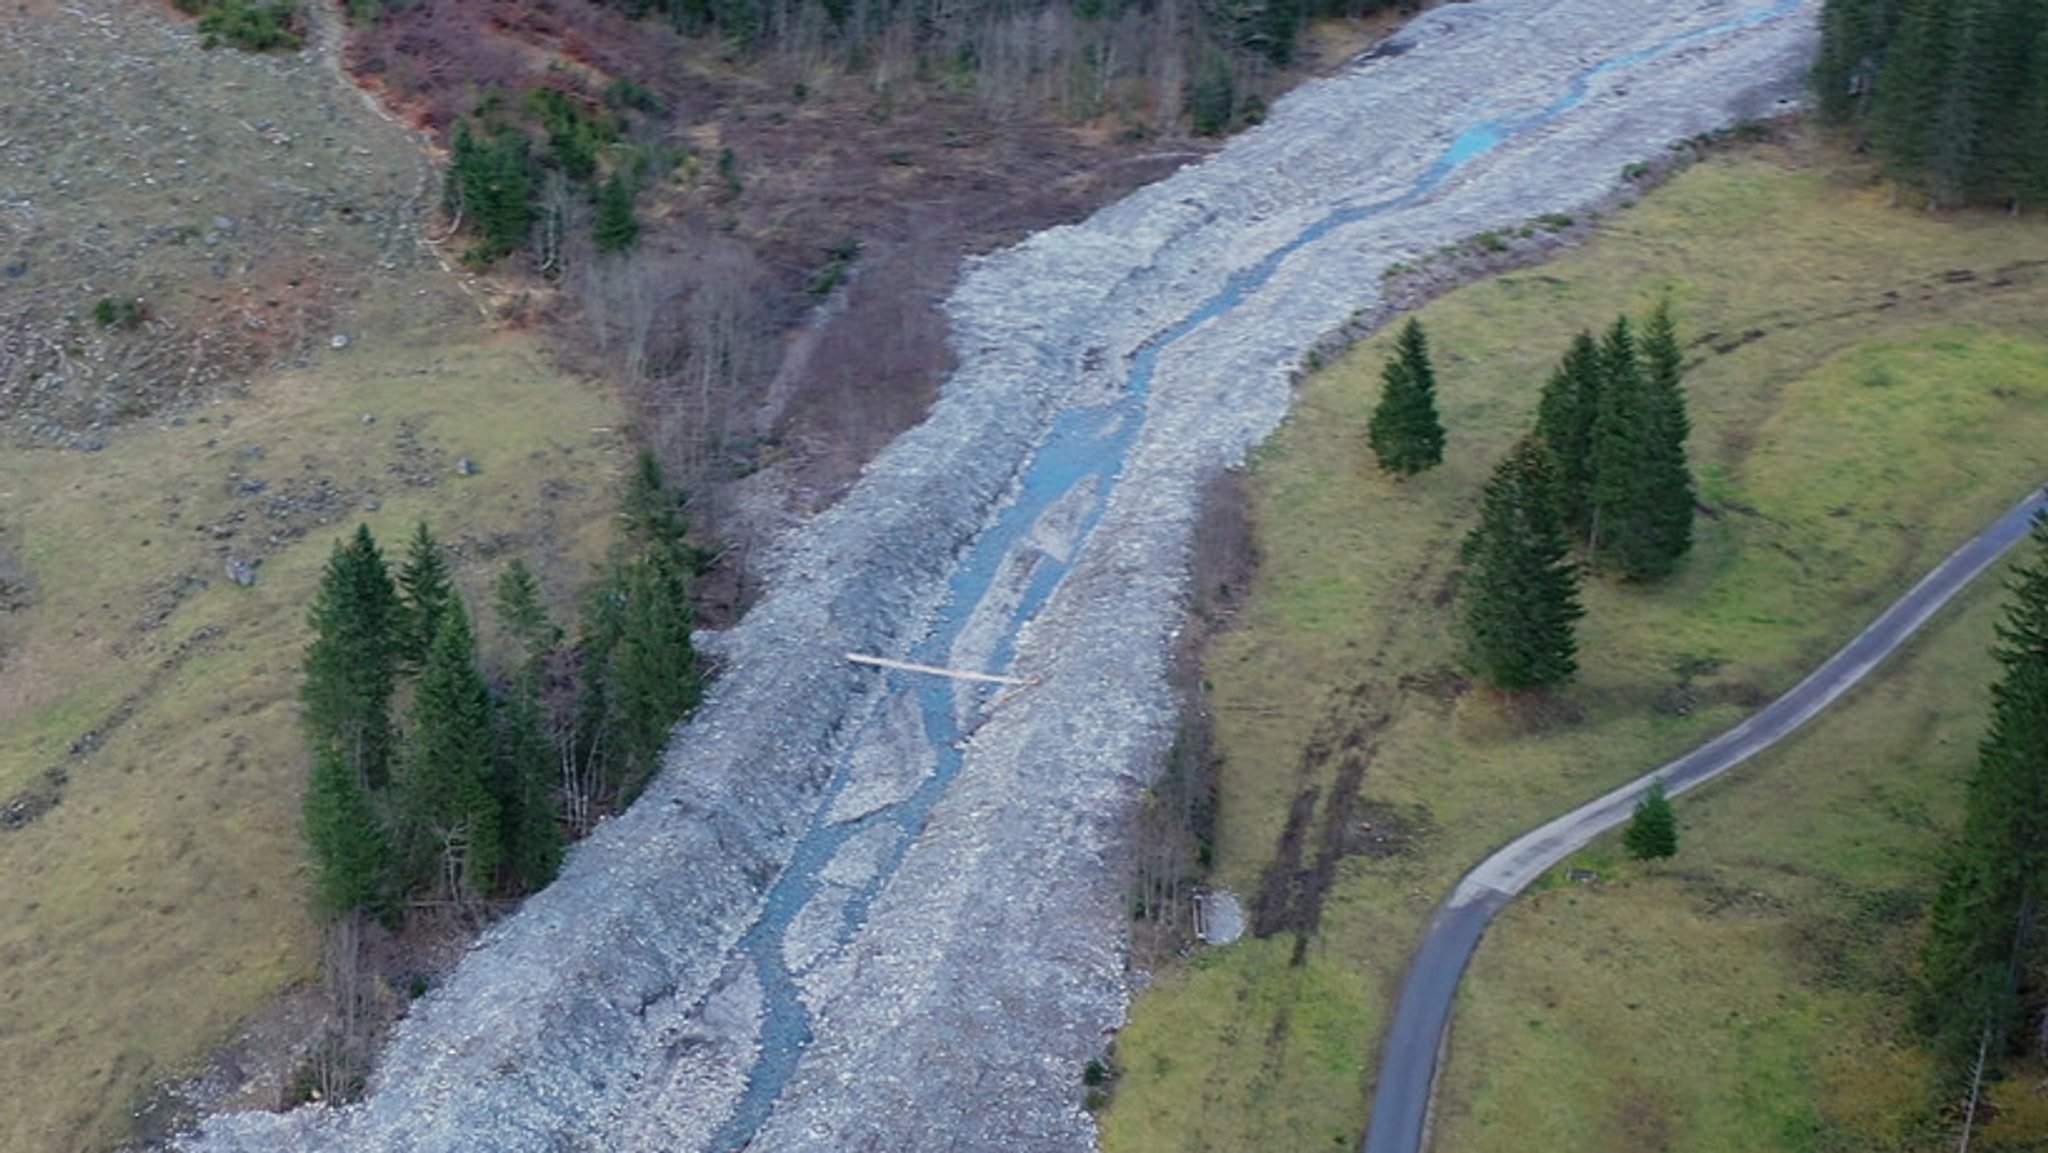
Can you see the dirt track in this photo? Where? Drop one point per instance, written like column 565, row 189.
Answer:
column 897, row 911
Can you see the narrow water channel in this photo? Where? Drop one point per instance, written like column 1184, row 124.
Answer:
column 1072, row 476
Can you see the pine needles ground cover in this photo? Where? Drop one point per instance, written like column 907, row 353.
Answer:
column 1867, row 389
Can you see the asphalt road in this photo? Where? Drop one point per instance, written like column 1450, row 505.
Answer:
column 1415, row 1042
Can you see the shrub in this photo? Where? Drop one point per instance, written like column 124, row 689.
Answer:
column 120, row 312
column 1653, row 834
column 1212, row 98
column 251, row 25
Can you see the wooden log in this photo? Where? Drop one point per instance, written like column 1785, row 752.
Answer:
column 935, row 670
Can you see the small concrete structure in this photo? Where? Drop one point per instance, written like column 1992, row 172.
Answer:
column 1219, row 917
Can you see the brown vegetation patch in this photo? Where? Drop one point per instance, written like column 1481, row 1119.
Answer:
column 1175, row 833
column 1294, row 885
column 853, row 181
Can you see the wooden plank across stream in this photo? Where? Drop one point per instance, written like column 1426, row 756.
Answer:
column 935, row 670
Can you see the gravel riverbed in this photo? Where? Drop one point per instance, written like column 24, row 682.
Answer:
column 904, row 923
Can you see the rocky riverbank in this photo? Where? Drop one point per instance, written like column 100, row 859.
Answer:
column 967, row 960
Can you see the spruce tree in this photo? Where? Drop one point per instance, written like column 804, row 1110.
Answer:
column 523, row 784
column 1652, row 834
column 351, row 854
column 1520, row 591
column 1668, row 494
column 1615, row 499
column 351, row 663
column 1641, row 495
column 448, row 807
column 490, row 183
column 1564, row 423
column 653, row 678
column 524, row 618
column 524, row 781
column 615, row 229
column 425, row 590
column 1948, row 91
column 1404, row 431
column 1972, row 976
column 653, row 513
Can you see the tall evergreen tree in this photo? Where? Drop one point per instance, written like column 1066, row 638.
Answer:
column 490, row 183
column 526, row 767
column 449, row 809
column 351, row 663
column 524, row 618
column 1981, row 926
column 653, row 678
column 351, row 854
column 1616, row 498
column 1520, row 591
column 1564, row 423
column 653, row 513
column 425, row 590
column 1668, row 493
column 616, row 228
column 1641, row 494
column 1946, row 90
column 1405, row 433
column 523, row 786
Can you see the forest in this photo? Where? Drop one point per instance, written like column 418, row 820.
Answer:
column 1952, row 94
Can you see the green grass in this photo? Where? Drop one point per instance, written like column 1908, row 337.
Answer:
column 163, row 900
column 1857, row 412
column 1748, row 994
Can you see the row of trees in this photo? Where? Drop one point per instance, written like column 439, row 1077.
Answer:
column 1075, row 58
column 1603, row 476
column 433, row 780
column 1984, row 967
column 1953, row 93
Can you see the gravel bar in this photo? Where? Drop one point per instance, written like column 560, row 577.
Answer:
column 905, row 926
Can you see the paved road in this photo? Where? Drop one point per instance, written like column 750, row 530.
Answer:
column 1408, row 1065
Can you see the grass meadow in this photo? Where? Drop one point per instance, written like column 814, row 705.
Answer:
column 1868, row 388
column 162, row 901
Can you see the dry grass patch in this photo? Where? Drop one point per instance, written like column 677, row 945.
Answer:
column 160, row 901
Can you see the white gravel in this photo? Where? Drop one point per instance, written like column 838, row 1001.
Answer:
column 613, row 1012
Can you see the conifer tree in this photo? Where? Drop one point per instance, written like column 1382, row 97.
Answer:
column 653, row 678
column 1520, row 591
column 425, row 590
column 523, row 787
column 653, row 513
column 1615, row 498
column 1652, row 833
column 1668, row 495
column 615, row 229
column 1948, row 91
column 1564, row 423
column 1972, row 977
column 490, row 184
column 1641, row 496
column 526, row 756
column 351, row 855
column 1405, row 433
column 351, row 663
column 524, row 618
column 449, row 811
